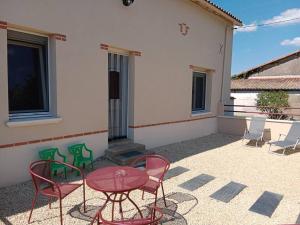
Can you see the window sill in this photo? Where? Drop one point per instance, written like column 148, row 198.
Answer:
column 33, row 122
column 201, row 113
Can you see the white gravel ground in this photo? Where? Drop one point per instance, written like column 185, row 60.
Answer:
column 219, row 155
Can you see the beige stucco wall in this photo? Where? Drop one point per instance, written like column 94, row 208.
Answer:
column 161, row 80
column 172, row 133
column 14, row 162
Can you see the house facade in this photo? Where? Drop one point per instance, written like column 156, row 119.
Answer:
column 282, row 74
column 92, row 71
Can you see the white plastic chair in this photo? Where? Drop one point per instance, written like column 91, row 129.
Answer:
column 256, row 129
column 291, row 140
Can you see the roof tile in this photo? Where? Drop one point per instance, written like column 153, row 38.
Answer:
column 266, row 84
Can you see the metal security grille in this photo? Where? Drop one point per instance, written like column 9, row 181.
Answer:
column 118, row 95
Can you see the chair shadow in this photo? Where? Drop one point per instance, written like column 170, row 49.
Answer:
column 252, row 143
column 91, row 209
column 5, row 221
column 171, row 216
column 17, row 199
column 288, row 151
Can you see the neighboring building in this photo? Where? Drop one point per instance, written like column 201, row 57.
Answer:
column 87, row 71
column 282, row 74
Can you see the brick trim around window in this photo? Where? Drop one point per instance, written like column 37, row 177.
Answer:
column 3, row 25
column 200, row 69
column 60, row 37
column 107, row 47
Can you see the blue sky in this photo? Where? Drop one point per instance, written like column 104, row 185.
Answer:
column 256, row 45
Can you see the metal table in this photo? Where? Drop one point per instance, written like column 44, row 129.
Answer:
column 117, row 180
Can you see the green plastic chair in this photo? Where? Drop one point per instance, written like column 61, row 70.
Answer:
column 50, row 153
column 79, row 159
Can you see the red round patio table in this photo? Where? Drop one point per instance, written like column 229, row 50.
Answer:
column 117, row 180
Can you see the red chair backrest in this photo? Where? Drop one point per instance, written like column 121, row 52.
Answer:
column 38, row 170
column 157, row 166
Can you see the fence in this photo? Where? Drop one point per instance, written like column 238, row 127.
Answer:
column 281, row 113
column 237, row 125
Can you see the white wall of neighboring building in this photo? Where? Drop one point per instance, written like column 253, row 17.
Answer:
column 242, row 98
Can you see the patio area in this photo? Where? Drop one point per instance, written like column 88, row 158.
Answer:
column 215, row 179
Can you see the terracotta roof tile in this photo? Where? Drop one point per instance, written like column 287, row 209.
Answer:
column 212, row 7
column 266, row 84
column 224, row 11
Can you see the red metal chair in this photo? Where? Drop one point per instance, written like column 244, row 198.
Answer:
column 41, row 176
column 156, row 167
column 153, row 218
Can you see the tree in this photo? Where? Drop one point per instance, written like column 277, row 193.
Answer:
column 273, row 103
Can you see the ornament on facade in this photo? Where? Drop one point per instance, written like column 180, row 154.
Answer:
column 184, row 29
column 221, row 47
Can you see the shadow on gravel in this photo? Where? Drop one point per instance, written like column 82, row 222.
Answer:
column 289, row 151
column 17, row 199
column 5, row 221
column 178, row 151
column 171, row 215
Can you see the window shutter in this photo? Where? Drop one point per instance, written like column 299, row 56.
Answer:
column 29, row 38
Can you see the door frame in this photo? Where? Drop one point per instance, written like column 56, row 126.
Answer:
column 120, row 52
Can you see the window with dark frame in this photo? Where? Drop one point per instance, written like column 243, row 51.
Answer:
column 28, row 89
column 199, row 91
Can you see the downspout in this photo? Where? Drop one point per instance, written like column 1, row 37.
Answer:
column 223, row 66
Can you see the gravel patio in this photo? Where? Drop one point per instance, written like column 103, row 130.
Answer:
column 199, row 168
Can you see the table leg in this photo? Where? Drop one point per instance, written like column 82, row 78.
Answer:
column 113, row 207
column 98, row 219
column 120, row 205
column 135, row 205
column 97, row 216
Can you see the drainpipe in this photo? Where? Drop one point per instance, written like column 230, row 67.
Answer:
column 223, row 66
column 221, row 102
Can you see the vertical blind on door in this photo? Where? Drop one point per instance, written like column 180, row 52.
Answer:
column 118, row 95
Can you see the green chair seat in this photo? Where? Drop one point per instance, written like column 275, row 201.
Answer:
column 50, row 154
column 83, row 159
column 79, row 159
column 56, row 166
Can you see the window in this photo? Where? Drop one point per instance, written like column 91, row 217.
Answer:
column 199, row 91
column 28, row 90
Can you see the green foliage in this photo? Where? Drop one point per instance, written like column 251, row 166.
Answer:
column 273, row 103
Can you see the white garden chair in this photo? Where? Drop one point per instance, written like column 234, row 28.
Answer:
column 291, row 140
column 255, row 130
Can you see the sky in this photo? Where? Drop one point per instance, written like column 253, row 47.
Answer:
column 255, row 45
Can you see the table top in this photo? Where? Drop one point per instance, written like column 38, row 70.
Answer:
column 116, row 179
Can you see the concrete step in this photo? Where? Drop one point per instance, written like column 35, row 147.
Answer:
column 119, row 142
column 127, row 158
column 125, row 153
column 124, row 148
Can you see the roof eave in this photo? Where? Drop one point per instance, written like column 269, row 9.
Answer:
column 264, row 89
column 218, row 11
